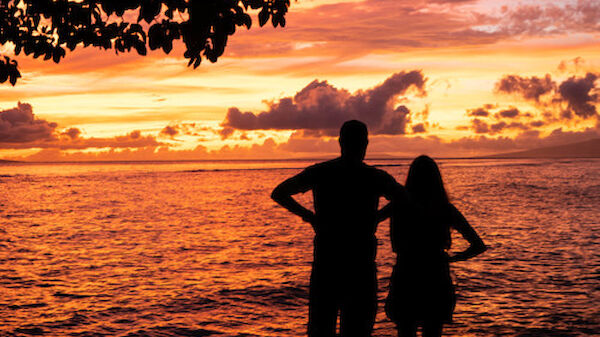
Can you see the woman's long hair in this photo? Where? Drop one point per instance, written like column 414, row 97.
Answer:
column 426, row 188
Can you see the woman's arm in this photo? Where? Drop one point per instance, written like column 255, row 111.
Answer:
column 384, row 213
column 476, row 245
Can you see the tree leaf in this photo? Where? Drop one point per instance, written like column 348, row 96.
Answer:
column 167, row 45
column 140, row 47
column 57, row 54
column 3, row 73
column 155, row 36
column 263, row 16
column 14, row 74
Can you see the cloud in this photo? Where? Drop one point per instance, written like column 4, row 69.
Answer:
column 571, row 102
column 19, row 125
column 572, row 65
column 500, row 126
column 227, row 131
column 575, row 96
column 479, row 126
column 545, row 19
column 174, row 131
column 21, row 129
column 492, row 119
column 418, row 128
column 529, row 88
column 580, row 94
column 322, row 107
column 72, row 133
column 509, row 113
column 478, row 112
column 357, row 28
column 170, row 131
column 301, row 145
column 134, row 139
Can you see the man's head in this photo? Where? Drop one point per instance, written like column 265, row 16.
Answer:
column 354, row 140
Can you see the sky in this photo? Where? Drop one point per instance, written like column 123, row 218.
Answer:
column 445, row 78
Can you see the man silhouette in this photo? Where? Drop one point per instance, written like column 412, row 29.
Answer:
column 346, row 194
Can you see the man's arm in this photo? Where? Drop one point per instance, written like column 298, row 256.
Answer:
column 398, row 197
column 394, row 192
column 282, row 194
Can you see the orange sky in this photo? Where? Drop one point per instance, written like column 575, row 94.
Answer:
column 448, row 78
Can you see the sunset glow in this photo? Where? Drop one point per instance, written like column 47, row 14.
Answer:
column 96, row 105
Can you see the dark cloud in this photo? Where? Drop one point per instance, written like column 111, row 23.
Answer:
column 478, row 112
column 581, row 95
column 226, row 132
column 188, row 129
column 497, row 127
column 19, row 125
column 509, row 113
column 530, row 88
column 72, row 133
column 322, row 107
column 488, row 120
column 537, row 124
column 169, row 131
column 418, row 128
column 480, row 126
column 500, row 126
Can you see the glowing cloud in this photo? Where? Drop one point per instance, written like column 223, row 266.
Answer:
column 19, row 125
column 322, row 107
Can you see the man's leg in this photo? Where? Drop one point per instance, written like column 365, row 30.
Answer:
column 407, row 328
column 359, row 307
column 432, row 328
column 322, row 306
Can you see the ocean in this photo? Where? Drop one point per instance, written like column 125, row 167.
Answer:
column 200, row 249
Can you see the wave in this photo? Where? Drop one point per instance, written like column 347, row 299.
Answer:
column 73, row 296
column 243, row 169
column 173, row 330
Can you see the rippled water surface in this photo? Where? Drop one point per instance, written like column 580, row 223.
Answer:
column 199, row 249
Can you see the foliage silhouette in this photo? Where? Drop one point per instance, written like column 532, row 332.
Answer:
column 48, row 27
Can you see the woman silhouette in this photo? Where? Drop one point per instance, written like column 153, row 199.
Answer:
column 421, row 290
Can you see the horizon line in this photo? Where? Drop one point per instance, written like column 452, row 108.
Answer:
column 165, row 161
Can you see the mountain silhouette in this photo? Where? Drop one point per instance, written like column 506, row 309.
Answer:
column 586, row 149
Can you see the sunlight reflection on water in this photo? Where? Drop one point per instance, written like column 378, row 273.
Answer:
column 163, row 250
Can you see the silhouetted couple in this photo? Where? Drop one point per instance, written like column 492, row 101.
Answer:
column 346, row 195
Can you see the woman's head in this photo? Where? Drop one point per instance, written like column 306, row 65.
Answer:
column 424, row 181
